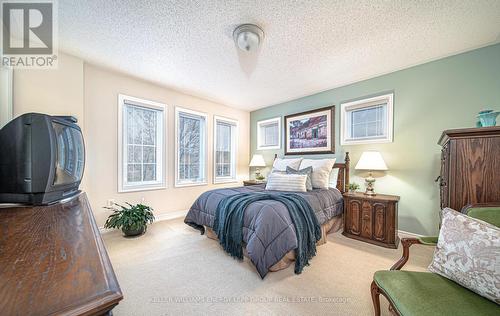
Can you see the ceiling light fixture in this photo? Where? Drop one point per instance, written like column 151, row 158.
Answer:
column 248, row 37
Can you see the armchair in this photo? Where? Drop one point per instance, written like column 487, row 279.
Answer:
column 426, row 293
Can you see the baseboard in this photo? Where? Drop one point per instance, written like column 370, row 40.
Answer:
column 158, row 218
column 177, row 214
column 170, row 215
column 408, row 233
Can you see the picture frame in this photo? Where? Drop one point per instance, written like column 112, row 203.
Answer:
column 311, row 132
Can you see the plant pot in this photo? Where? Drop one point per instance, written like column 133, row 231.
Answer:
column 134, row 232
column 352, row 191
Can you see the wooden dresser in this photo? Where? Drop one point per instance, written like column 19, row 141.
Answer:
column 373, row 219
column 470, row 166
column 53, row 262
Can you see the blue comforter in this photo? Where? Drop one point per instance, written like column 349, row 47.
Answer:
column 228, row 224
column 268, row 230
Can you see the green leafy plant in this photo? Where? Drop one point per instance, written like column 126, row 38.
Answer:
column 131, row 218
column 353, row 186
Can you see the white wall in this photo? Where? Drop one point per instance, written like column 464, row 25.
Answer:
column 57, row 92
column 5, row 96
column 91, row 94
column 101, row 96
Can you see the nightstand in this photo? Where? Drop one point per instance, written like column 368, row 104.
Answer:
column 372, row 219
column 253, row 182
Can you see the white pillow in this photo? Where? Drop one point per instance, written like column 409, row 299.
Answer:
column 467, row 252
column 281, row 164
column 287, row 182
column 321, row 171
column 334, row 175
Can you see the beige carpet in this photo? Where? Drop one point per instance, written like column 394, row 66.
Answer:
column 173, row 270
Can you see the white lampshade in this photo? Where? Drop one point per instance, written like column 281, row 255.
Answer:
column 371, row 160
column 257, row 161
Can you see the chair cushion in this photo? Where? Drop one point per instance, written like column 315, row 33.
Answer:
column 422, row 293
column 488, row 214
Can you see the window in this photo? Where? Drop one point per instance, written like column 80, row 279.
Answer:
column 367, row 121
column 191, row 158
column 225, row 142
column 269, row 134
column 141, row 144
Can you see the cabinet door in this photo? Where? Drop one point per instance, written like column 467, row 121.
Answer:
column 354, row 218
column 366, row 219
column 379, row 227
column 474, row 171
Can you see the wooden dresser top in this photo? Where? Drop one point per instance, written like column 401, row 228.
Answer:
column 469, row 132
column 377, row 197
column 53, row 261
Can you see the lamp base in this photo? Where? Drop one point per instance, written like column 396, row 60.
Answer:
column 258, row 175
column 370, row 191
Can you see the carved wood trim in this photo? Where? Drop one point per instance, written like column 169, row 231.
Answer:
column 406, row 242
column 376, row 291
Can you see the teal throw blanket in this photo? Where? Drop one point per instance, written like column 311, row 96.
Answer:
column 229, row 215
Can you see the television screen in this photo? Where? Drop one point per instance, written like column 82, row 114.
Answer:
column 70, row 156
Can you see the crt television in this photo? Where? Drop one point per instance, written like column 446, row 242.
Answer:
column 42, row 158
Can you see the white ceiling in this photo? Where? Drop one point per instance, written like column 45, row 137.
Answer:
column 309, row 46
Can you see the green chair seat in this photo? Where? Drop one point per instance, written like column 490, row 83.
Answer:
column 488, row 214
column 422, row 293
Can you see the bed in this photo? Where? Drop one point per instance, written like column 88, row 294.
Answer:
column 268, row 232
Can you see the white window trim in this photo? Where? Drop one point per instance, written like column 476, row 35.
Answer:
column 359, row 104
column 179, row 184
column 156, row 185
column 219, row 180
column 265, row 122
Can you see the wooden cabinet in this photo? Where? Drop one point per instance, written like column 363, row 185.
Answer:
column 470, row 166
column 373, row 219
column 53, row 261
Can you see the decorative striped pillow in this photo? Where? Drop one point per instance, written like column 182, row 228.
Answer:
column 287, row 182
column 307, row 171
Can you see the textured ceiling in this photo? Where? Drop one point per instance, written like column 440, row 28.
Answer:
column 309, row 46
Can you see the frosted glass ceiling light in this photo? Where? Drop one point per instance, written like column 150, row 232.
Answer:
column 248, row 37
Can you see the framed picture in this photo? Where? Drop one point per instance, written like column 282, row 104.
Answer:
column 310, row 132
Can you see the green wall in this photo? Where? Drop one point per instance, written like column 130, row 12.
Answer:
column 428, row 99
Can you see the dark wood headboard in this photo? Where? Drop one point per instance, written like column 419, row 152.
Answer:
column 343, row 178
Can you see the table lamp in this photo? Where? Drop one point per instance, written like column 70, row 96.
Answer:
column 257, row 161
column 370, row 160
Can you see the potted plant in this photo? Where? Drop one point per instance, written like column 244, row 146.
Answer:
column 353, row 187
column 132, row 220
